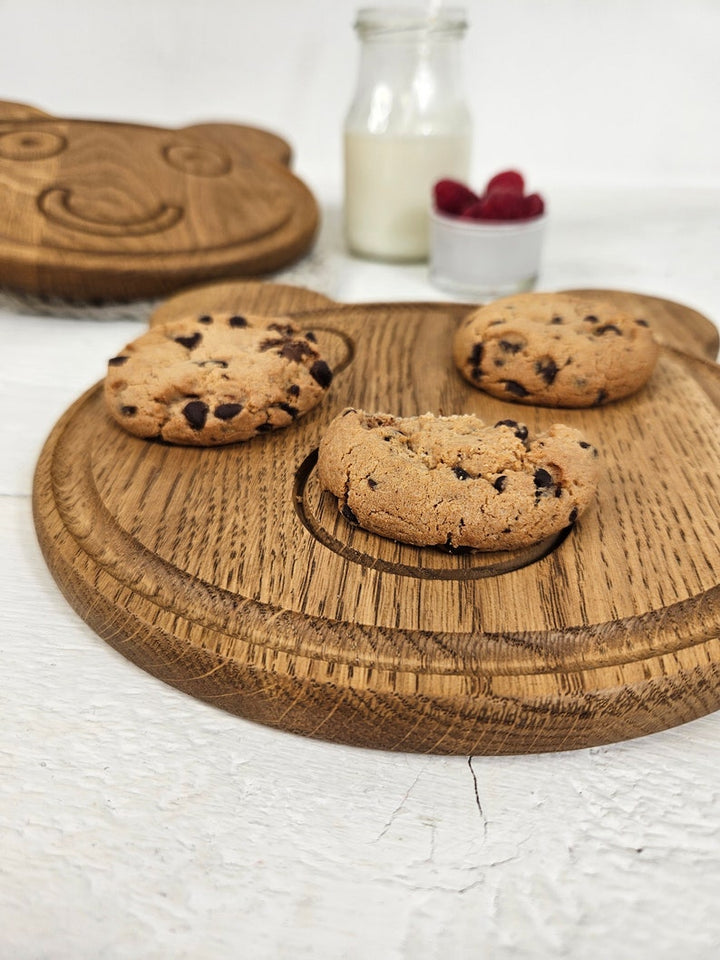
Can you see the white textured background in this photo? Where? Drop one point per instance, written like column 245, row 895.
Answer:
column 138, row 823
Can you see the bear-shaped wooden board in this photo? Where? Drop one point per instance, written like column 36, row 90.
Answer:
column 99, row 211
column 230, row 573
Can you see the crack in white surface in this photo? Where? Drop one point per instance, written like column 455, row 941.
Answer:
column 478, row 804
column 398, row 809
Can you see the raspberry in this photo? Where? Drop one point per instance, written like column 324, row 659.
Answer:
column 478, row 211
column 507, row 180
column 453, row 197
column 533, row 205
column 498, row 205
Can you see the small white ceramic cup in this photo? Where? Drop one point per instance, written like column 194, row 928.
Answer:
column 492, row 258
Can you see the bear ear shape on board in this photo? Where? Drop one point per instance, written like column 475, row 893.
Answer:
column 20, row 111
column 249, row 140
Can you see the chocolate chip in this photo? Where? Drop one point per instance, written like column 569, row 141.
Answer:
column 508, row 346
column 500, row 482
column 291, row 411
column 371, row 483
column 476, row 373
column 287, row 329
column 476, row 354
column 517, row 389
column 296, row 350
column 226, row 411
column 205, row 319
column 128, row 411
column 584, row 444
column 189, row 342
column 600, row 398
column 547, row 368
column 542, row 479
column 642, row 323
column 608, row 328
column 521, row 431
column 449, row 547
column 321, row 373
column 591, row 318
column 556, row 319
column 573, row 515
column 270, row 343
column 293, row 390
column 309, row 335
column 117, row 361
column 348, row 514
column 460, row 473
column 237, row 321
column 196, row 413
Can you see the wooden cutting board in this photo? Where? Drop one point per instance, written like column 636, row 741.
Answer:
column 229, row 574
column 95, row 210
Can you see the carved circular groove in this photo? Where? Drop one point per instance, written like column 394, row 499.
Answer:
column 317, row 510
column 197, row 160
column 31, row 144
column 56, row 204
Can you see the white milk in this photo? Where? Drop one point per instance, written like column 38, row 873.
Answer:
column 388, row 190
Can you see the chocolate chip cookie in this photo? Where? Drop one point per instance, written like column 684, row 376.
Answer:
column 455, row 481
column 215, row 379
column 555, row 350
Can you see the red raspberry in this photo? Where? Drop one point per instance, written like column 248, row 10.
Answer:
column 507, row 180
column 499, row 205
column 478, row 211
column 453, row 197
column 533, row 205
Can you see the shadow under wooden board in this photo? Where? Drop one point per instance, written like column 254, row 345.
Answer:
column 228, row 573
column 107, row 211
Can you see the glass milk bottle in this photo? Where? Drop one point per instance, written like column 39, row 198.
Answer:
column 407, row 127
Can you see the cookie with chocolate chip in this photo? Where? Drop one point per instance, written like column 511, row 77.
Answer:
column 215, row 379
column 555, row 350
column 455, row 481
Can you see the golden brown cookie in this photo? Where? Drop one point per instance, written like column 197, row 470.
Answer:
column 215, row 379
column 555, row 350
column 455, row 481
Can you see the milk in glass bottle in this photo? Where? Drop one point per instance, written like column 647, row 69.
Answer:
column 407, row 127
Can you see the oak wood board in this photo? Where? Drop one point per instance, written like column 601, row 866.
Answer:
column 229, row 573
column 105, row 211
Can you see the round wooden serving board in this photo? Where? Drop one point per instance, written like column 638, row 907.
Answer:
column 228, row 573
column 95, row 210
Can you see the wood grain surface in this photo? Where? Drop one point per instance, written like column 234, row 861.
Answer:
column 96, row 210
column 228, row 573
column 673, row 324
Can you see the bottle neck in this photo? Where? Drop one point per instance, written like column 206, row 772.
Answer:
column 406, row 61
column 409, row 84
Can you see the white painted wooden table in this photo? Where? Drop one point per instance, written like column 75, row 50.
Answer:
column 138, row 823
